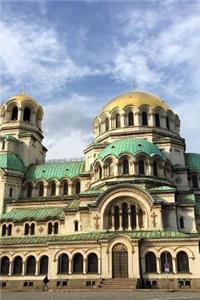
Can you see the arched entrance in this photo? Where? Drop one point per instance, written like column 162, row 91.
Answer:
column 119, row 261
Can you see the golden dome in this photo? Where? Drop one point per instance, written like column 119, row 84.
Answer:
column 21, row 97
column 136, row 99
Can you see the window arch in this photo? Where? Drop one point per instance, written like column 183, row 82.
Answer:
column 32, row 229
column 27, row 114
column 107, row 124
column 56, row 228
column 150, row 263
column 77, row 187
column 166, row 261
column 44, row 261
column 182, row 223
column 157, row 120
column 50, row 228
column 14, row 115
column 125, row 166
column 3, row 230
column 65, row 188
column 182, row 262
column 17, row 265
column 5, row 263
column 144, row 118
column 133, row 216
column 26, row 229
column 78, row 263
column 116, row 216
column 141, row 170
column 29, row 190
column 9, row 230
column 195, row 183
column 92, row 263
column 130, row 119
column 117, row 121
column 52, row 188
column 125, row 216
column 41, row 189
column 63, row 264
column 30, row 265
column 155, row 168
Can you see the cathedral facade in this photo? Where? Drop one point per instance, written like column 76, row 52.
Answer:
column 128, row 214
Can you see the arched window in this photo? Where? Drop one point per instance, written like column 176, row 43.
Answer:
column 130, row 119
column 100, row 172
column 44, row 261
column 14, row 115
column 144, row 118
column 125, row 166
column 41, row 189
column 107, row 124
column 166, row 262
column 77, row 187
column 3, row 230
column 110, row 169
column 53, row 189
column 109, row 219
column 116, row 216
column 5, row 263
column 63, row 264
column 124, row 216
column 140, row 218
column 133, row 217
column 3, row 145
column 182, row 225
column 78, row 263
column 195, row 183
column 27, row 114
column 150, row 263
column 50, row 228
column 92, row 263
column 155, row 168
column 9, row 230
column 32, row 229
column 141, row 167
column 117, row 121
column 167, row 123
column 182, row 262
column 17, row 265
column 65, row 188
column 75, row 225
column 56, row 228
column 157, row 120
column 26, row 229
column 30, row 265
column 29, row 190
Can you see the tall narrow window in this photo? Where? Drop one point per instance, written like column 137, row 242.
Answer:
column 150, row 262
column 50, row 228
column 56, row 228
column 195, row 183
column 26, row 229
column 3, row 145
column 133, row 217
column 27, row 114
column 167, row 123
column 5, row 263
column 29, row 190
column 75, row 225
column 100, row 172
column 32, row 229
column 144, row 118
column 182, row 225
column 182, row 262
column 65, row 188
column 30, row 265
column 14, row 115
column 10, row 192
column 124, row 216
column 116, row 217
column 78, row 263
column 78, row 187
column 41, row 190
column 155, row 168
column 141, row 167
column 53, row 188
column 107, row 124
column 166, row 262
column 117, row 121
column 17, row 266
column 9, row 230
column 3, row 230
column 157, row 120
column 63, row 264
column 92, row 263
column 125, row 166
column 130, row 119
column 44, row 261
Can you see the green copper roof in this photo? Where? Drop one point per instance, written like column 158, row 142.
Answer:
column 55, row 170
column 94, row 236
column 11, row 161
column 74, row 204
column 193, row 161
column 33, row 214
column 131, row 146
column 8, row 137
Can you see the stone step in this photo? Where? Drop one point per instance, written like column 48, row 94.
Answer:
column 119, row 283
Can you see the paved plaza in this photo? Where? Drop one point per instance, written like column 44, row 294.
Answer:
column 96, row 295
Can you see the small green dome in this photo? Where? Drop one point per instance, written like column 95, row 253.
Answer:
column 193, row 161
column 131, row 146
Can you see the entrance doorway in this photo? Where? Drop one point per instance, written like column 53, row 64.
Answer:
column 119, row 261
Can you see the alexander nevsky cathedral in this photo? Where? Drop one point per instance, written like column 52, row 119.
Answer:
column 125, row 216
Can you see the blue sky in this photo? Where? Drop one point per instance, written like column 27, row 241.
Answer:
column 74, row 56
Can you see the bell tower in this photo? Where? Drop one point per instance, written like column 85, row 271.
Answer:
column 21, row 121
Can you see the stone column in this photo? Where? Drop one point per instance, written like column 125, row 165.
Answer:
column 23, row 268
column 57, row 189
column 174, row 264
column 45, row 190
column 70, row 266
column 129, row 219
column 20, row 114
column 137, row 218
column 137, row 119
column 99, row 266
column 84, row 266
column 123, row 120
column 158, row 264
column 69, row 188
column 37, row 267
column 150, row 117
column 10, row 268
column 120, row 219
column 113, row 219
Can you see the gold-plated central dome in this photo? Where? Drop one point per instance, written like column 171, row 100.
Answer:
column 21, row 97
column 136, row 99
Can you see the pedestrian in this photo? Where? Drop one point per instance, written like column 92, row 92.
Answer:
column 45, row 283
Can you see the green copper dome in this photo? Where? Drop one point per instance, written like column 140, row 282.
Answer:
column 193, row 161
column 11, row 161
column 131, row 146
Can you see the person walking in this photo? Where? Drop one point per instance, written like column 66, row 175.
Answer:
column 45, row 283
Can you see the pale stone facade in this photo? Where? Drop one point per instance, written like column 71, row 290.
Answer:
column 130, row 209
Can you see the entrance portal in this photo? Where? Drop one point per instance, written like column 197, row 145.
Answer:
column 119, row 261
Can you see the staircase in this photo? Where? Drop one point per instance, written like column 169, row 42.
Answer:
column 118, row 283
